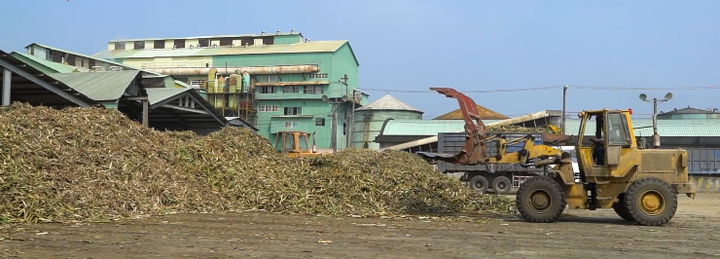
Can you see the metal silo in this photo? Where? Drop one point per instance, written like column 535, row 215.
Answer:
column 369, row 119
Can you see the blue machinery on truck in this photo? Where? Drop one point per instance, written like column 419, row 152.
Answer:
column 474, row 150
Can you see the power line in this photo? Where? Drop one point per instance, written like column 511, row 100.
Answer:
column 545, row 88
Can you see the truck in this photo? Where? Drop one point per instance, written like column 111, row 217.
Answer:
column 494, row 178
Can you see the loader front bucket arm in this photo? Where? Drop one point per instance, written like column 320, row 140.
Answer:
column 473, row 151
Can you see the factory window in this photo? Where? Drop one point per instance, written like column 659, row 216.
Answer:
column 319, row 121
column 139, row 45
column 344, row 128
column 293, row 111
column 266, row 89
column 268, row 108
column 268, row 40
column 247, row 41
column 271, row 78
column 71, row 59
column 291, row 124
column 159, row 44
column 91, row 63
column 291, row 89
column 226, row 41
column 120, row 45
column 198, row 83
column 314, row 89
column 180, row 44
column 204, row 42
column 318, row 76
column 56, row 57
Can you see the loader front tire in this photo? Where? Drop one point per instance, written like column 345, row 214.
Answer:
column 540, row 199
column 650, row 201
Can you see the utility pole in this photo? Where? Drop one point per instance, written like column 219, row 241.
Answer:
column 334, row 103
column 348, row 122
column 352, row 119
column 564, row 112
column 655, row 101
column 333, row 134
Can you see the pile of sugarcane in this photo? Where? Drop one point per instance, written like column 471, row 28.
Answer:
column 80, row 164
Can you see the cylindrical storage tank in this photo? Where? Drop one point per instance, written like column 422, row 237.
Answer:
column 370, row 118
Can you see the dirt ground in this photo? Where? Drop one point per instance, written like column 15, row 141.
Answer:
column 693, row 233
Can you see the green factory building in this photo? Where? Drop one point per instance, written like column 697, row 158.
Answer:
column 275, row 81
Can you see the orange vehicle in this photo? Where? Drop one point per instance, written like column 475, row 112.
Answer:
column 296, row 143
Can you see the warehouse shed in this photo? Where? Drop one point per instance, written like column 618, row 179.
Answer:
column 485, row 114
column 370, row 118
column 37, row 82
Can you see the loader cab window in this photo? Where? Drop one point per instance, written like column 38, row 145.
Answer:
column 303, row 142
column 284, row 142
column 289, row 142
column 617, row 130
column 598, row 150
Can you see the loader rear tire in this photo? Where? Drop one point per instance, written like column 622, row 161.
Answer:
column 650, row 201
column 478, row 183
column 621, row 209
column 540, row 199
column 502, row 185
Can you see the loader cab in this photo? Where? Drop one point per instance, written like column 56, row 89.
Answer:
column 603, row 135
column 294, row 143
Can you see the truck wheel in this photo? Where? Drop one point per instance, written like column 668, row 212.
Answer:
column 540, row 199
column 621, row 209
column 478, row 183
column 502, row 185
column 650, row 201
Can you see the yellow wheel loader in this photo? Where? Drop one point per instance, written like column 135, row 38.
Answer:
column 295, row 144
column 641, row 185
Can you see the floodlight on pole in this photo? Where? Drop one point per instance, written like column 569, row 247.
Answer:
column 655, row 101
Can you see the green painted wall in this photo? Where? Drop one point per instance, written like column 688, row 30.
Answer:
column 344, row 63
column 287, row 39
column 269, row 123
column 335, row 65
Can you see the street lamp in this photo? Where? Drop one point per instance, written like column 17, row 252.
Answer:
column 655, row 101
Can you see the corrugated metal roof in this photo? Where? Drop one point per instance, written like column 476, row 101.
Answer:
column 92, row 58
column 79, row 98
column 666, row 128
column 58, row 67
column 303, row 47
column 425, row 127
column 208, row 37
column 156, row 95
column 689, row 110
column 388, row 102
column 485, row 113
column 99, row 86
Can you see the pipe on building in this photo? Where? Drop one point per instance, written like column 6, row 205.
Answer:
column 270, row 70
